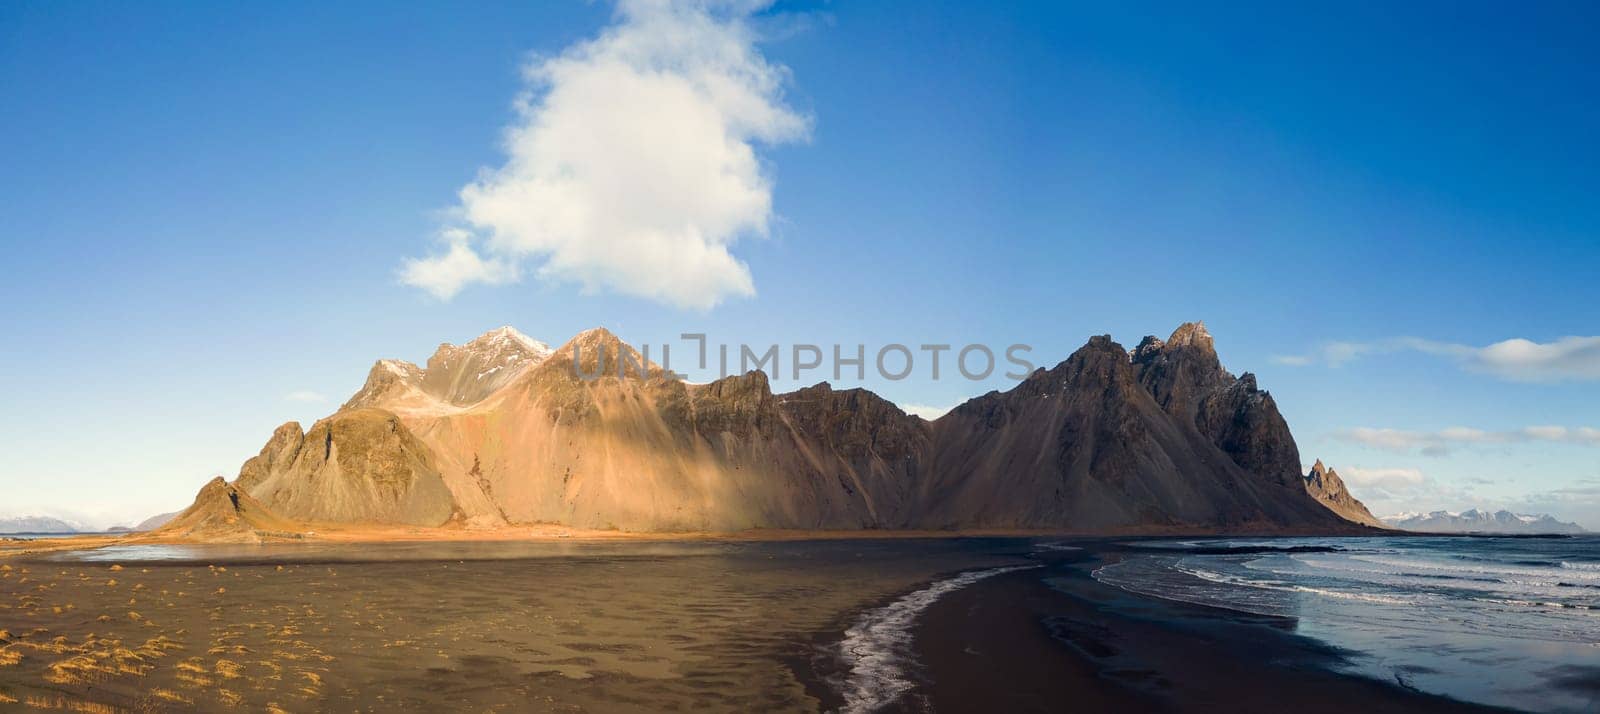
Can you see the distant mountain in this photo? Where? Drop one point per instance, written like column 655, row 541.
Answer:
column 504, row 430
column 1325, row 485
column 154, row 522
column 36, row 524
column 1477, row 521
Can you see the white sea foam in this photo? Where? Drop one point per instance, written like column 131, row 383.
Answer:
column 1280, row 586
column 878, row 647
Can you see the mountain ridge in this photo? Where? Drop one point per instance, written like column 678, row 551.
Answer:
column 1159, row 437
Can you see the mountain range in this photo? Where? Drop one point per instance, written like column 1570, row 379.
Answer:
column 37, row 524
column 1480, row 521
column 503, row 430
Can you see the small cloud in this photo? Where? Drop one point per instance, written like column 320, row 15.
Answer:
column 1569, row 358
column 1387, row 478
column 925, row 411
column 445, row 274
column 1517, row 360
column 305, row 396
column 1439, row 443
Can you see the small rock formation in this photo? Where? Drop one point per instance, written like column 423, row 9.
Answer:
column 1325, row 485
column 360, row 465
column 224, row 513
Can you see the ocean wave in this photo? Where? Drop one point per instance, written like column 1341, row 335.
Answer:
column 1504, row 572
column 877, row 648
column 1536, row 603
column 1586, row 567
column 1278, row 585
column 1055, row 547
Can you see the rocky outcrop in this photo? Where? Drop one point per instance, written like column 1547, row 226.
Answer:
column 498, row 431
column 362, row 465
column 223, row 512
column 1325, row 485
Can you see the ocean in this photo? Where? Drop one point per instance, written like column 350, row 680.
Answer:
column 1506, row 621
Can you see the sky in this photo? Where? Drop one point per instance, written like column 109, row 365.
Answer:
column 216, row 217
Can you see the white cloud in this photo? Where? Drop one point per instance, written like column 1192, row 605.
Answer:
column 304, row 396
column 447, row 273
column 925, row 411
column 1387, row 478
column 633, row 165
column 1440, row 442
column 1569, row 358
column 1517, row 360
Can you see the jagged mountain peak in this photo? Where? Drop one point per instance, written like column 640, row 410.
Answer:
column 508, row 336
column 1192, row 334
column 1324, row 484
column 456, row 375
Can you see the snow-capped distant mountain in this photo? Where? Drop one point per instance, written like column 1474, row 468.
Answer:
column 1478, row 521
column 37, row 524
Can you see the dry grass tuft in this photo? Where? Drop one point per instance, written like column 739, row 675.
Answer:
column 229, row 670
column 116, row 568
column 171, row 696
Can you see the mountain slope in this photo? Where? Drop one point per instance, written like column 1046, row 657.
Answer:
column 222, row 512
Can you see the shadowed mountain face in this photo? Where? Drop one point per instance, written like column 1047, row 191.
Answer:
column 499, row 431
column 1164, row 437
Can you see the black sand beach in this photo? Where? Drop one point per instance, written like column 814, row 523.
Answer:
column 1054, row 640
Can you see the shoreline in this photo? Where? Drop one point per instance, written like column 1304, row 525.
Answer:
column 1020, row 643
column 337, row 533
column 1015, row 642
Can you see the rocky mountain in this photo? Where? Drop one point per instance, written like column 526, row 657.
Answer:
column 36, row 524
column 455, row 376
column 224, row 513
column 1108, row 439
column 1479, row 521
column 503, row 431
column 1325, row 485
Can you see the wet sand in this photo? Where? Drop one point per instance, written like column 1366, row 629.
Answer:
column 1056, row 639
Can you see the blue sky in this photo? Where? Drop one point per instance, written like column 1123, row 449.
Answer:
column 208, row 209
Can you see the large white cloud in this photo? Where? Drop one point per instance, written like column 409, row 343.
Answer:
column 633, row 165
column 1519, row 360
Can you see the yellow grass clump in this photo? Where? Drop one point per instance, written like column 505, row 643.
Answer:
column 228, row 670
column 169, row 695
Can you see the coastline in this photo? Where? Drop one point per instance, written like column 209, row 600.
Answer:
column 346, row 533
column 1032, row 639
